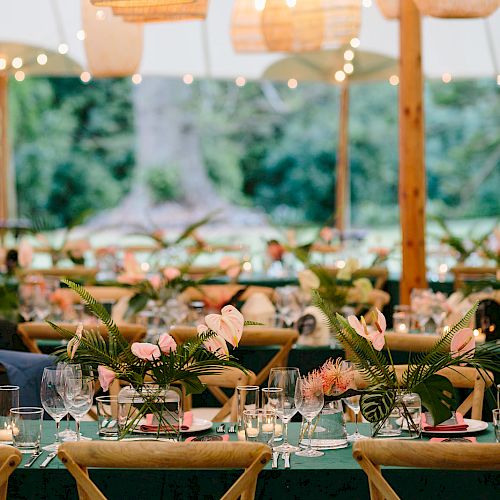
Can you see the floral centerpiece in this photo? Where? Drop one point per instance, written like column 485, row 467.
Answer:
column 365, row 343
column 152, row 368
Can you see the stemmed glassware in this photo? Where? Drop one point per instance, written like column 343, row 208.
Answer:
column 52, row 396
column 78, row 396
column 309, row 401
column 68, row 370
column 286, row 379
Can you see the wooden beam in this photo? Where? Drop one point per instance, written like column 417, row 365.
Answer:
column 412, row 191
column 4, row 148
column 342, row 191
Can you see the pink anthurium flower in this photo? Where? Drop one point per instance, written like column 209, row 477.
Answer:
column 228, row 324
column 106, row 376
column 73, row 344
column 374, row 335
column 155, row 281
column 462, row 342
column 216, row 344
column 145, row 351
column 171, row 273
column 167, row 343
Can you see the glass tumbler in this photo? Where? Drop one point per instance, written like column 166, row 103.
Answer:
column 247, row 399
column 107, row 416
column 259, row 426
column 26, row 424
column 9, row 398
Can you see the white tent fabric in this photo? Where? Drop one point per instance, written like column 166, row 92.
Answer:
column 463, row 48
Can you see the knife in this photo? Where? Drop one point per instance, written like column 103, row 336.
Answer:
column 33, row 458
column 48, row 460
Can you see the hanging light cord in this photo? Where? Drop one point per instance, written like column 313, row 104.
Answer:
column 206, row 48
column 491, row 46
column 58, row 21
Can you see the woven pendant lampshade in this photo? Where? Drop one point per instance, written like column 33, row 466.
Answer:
column 246, row 31
column 138, row 3
column 457, row 8
column 342, row 22
column 113, row 47
column 195, row 10
column 389, row 8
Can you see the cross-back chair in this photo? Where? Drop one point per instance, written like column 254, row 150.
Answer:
column 10, row 458
column 251, row 457
column 64, row 272
column 372, row 453
column 214, row 293
column 462, row 274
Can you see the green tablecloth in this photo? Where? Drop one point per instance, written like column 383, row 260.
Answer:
column 336, row 474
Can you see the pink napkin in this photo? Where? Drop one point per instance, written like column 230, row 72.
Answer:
column 187, row 421
column 440, row 440
column 225, row 437
column 459, row 426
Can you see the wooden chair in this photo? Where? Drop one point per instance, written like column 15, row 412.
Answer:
column 217, row 293
column 31, row 332
column 251, row 457
column 410, row 342
column 254, row 336
column 10, row 458
column 378, row 275
column 461, row 377
column 371, row 454
column 63, row 272
column 462, row 274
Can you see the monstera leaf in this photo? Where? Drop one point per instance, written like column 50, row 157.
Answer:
column 377, row 404
column 437, row 395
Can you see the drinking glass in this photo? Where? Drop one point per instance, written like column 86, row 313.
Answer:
column 401, row 319
column 353, row 403
column 68, row 370
column 26, row 428
column 259, row 425
column 52, row 397
column 78, row 395
column 271, row 400
column 309, row 403
column 107, row 415
column 285, row 379
column 9, row 398
column 496, row 423
column 248, row 399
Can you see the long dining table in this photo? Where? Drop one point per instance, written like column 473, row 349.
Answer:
column 334, row 475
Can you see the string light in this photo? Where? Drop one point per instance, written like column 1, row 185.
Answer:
column 136, row 79
column 3, row 63
column 17, row 63
column 446, row 77
column 188, row 79
column 394, row 80
column 349, row 55
column 260, row 5
column 348, row 68
column 41, row 59
column 339, row 76
column 100, row 15
column 19, row 75
column 291, row 3
column 367, row 3
column 81, row 35
column 240, row 81
column 63, row 48
column 292, row 83
column 355, row 43
column 85, row 77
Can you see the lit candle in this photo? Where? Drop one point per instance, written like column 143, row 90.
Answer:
column 402, row 328
column 267, row 427
column 5, row 435
column 278, row 430
column 251, row 432
column 480, row 337
column 241, row 435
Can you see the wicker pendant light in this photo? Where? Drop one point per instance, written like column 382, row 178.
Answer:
column 137, row 3
column 246, row 31
column 457, row 8
column 389, row 8
column 113, row 47
column 342, row 22
column 195, row 10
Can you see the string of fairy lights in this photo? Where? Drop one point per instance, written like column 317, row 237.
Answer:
column 18, row 66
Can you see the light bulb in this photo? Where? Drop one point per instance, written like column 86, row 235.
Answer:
column 292, row 83
column 41, row 59
column 136, row 78
column 17, row 62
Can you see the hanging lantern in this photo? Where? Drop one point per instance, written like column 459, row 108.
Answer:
column 113, row 47
column 246, row 31
column 342, row 22
column 138, row 3
column 195, row 10
column 389, row 8
column 457, row 8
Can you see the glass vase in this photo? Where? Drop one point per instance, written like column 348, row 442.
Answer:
column 150, row 409
column 329, row 430
column 404, row 421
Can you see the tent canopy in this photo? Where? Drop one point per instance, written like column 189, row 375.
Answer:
column 463, row 48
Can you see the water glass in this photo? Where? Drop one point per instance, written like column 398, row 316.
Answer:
column 78, row 396
column 247, row 399
column 26, row 424
column 52, row 397
column 259, row 426
column 496, row 423
column 107, row 414
column 9, row 398
column 401, row 319
column 272, row 399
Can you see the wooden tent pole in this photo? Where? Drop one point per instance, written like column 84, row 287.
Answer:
column 412, row 192
column 342, row 191
column 4, row 148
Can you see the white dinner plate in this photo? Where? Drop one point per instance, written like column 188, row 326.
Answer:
column 198, row 425
column 474, row 426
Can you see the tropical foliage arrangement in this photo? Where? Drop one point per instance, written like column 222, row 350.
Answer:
column 145, row 365
column 365, row 343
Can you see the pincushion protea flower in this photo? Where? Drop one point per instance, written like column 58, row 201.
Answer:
column 337, row 376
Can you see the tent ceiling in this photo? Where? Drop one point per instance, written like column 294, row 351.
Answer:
column 458, row 47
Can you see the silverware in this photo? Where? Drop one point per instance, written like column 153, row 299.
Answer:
column 276, row 455
column 232, row 429
column 221, row 429
column 286, row 458
column 33, row 458
column 48, row 460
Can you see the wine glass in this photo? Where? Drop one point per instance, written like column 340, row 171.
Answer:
column 353, row 402
column 309, row 401
column 286, row 379
column 68, row 370
column 52, row 397
column 78, row 396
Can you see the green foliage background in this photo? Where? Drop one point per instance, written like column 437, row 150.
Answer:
column 262, row 145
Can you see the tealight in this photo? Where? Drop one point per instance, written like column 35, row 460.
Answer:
column 267, row 427
column 252, row 433
column 241, row 435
